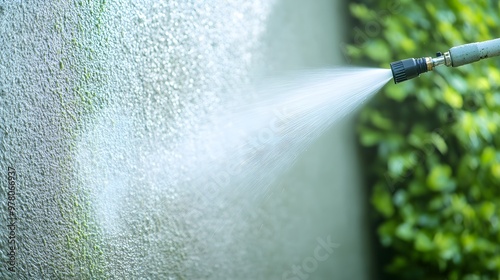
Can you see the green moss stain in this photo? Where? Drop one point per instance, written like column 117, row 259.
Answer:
column 84, row 94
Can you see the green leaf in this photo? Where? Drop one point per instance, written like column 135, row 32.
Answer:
column 447, row 245
column 468, row 242
column 487, row 210
column 370, row 137
column 453, row 98
column 423, row 242
column 395, row 92
column 405, row 231
column 386, row 232
column 439, row 143
column 361, row 11
column 381, row 121
column 488, row 156
column 378, row 50
column 426, row 97
column 495, row 171
column 396, row 165
column 439, row 179
column 382, row 201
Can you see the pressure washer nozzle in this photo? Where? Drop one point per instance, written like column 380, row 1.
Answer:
column 457, row 56
column 410, row 68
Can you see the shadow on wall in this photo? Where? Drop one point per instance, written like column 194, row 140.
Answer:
column 322, row 195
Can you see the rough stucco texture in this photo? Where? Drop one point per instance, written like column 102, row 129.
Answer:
column 94, row 97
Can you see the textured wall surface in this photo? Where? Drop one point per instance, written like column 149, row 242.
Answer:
column 95, row 99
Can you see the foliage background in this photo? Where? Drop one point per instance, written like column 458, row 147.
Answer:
column 431, row 145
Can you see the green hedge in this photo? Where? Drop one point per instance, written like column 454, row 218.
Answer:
column 432, row 144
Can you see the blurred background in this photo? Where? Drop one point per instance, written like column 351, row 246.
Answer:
column 96, row 98
column 430, row 146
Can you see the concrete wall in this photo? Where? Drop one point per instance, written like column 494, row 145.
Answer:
column 95, row 97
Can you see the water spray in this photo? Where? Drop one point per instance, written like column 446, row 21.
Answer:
column 410, row 68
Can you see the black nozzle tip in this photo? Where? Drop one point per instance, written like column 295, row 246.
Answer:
column 407, row 69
